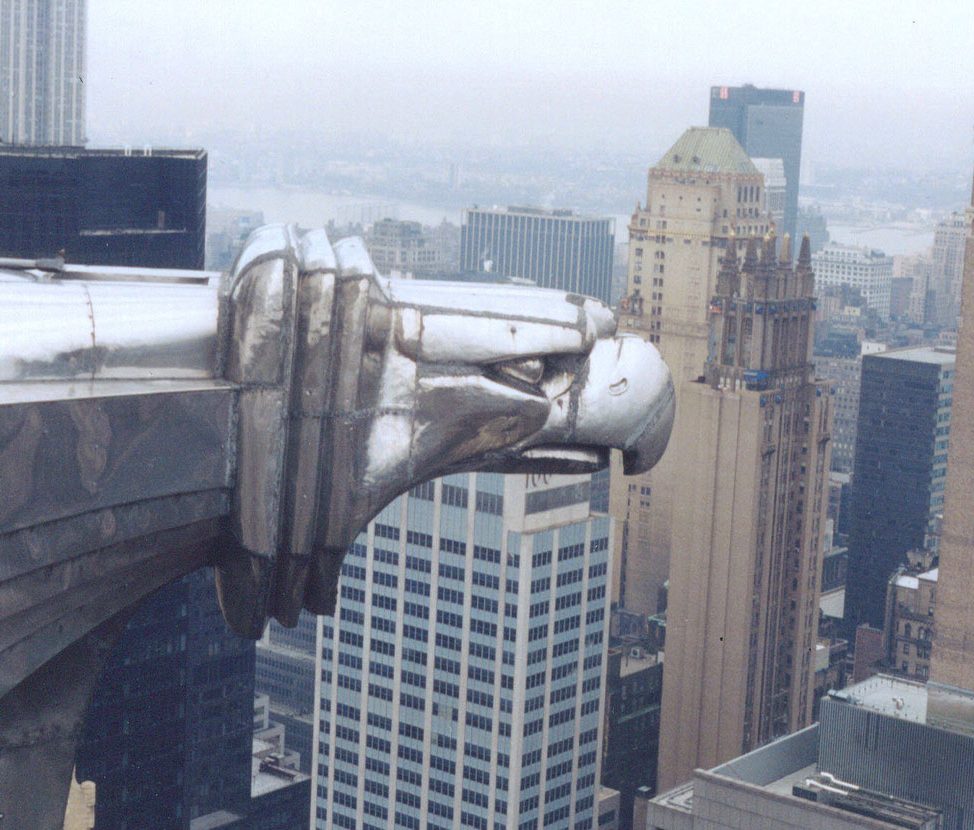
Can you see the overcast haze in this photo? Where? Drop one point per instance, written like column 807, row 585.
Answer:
column 889, row 83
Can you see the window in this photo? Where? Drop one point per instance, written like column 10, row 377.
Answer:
column 423, row 491
column 455, row 496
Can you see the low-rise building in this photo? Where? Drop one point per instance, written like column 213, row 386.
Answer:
column 608, row 809
column 910, row 602
column 410, row 248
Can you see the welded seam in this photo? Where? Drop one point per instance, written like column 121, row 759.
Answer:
column 91, row 317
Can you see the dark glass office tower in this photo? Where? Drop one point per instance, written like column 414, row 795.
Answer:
column 768, row 124
column 104, row 207
column 168, row 735
column 900, row 470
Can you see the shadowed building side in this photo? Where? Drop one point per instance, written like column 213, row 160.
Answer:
column 953, row 652
column 903, row 431
column 144, row 209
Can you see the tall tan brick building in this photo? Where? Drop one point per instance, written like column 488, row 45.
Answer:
column 701, row 190
column 953, row 651
column 749, row 499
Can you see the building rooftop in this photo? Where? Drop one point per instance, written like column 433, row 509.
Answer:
column 861, row 780
column 920, row 354
column 846, row 251
column 913, row 581
column 566, row 214
column 213, row 821
column 679, row 798
column 707, row 150
column 267, row 777
column 934, row 704
column 91, row 152
column 785, row 785
column 636, row 659
column 832, row 603
column 888, row 695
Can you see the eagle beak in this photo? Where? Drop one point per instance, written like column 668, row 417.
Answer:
column 649, row 447
column 628, row 402
column 622, row 398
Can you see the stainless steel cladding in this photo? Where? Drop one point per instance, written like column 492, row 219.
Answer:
column 354, row 387
column 348, row 388
column 67, row 329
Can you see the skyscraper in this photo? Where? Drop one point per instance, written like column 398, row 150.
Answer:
column 902, row 435
column 167, row 736
column 953, row 653
column 107, row 207
column 702, row 190
column 42, row 72
column 553, row 248
column 839, row 359
column 946, row 269
column 887, row 753
column 633, row 690
column 748, row 520
column 768, row 124
column 460, row 682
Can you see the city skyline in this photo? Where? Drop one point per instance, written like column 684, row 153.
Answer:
column 498, row 76
column 463, row 678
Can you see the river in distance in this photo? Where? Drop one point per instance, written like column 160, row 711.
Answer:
column 315, row 208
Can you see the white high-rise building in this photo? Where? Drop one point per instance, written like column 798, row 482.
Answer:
column 775, row 189
column 866, row 269
column 42, row 72
column 460, row 683
column 947, row 269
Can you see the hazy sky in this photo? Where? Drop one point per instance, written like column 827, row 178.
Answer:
column 890, row 81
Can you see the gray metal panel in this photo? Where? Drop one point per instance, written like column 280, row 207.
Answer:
column 65, row 458
column 904, row 758
column 774, row 760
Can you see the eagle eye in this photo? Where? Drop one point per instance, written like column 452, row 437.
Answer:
column 527, row 370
